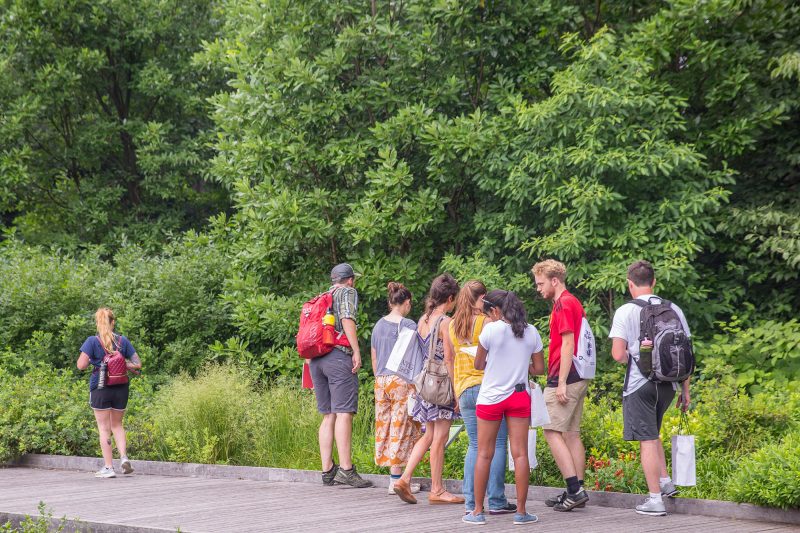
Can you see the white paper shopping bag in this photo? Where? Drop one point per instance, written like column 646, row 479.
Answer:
column 532, row 462
column 539, row 414
column 407, row 357
column 683, row 456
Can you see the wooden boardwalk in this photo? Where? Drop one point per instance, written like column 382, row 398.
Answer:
column 236, row 505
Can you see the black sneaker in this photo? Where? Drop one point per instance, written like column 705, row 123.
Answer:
column 328, row 478
column 508, row 509
column 571, row 501
column 351, row 477
column 550, row 502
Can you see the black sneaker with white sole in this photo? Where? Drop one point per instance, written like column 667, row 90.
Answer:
column 550, row 502
column 572, row 501
column 351, row 477
column 329, row 477
column 508, row 509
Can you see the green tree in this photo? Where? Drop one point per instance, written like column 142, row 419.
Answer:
column 104, row 119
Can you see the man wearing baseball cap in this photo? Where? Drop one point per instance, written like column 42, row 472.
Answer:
column 335, row 377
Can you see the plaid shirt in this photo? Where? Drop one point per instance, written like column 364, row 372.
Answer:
column 345, row 304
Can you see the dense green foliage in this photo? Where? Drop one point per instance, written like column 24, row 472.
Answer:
column 199, row 166
column 103, row 119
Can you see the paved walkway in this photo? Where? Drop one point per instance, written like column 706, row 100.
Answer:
column 228, row 505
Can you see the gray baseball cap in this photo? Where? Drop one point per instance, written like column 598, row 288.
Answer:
column 343, row 271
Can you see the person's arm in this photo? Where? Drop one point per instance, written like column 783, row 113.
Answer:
column 480, row 358
column 449, row 353
column 619, row 350
column 567, row 351
column 536, row 368
column 683, row 398
column 349, row 326
column 374, row 355
column 134, row 363
column 83, row 361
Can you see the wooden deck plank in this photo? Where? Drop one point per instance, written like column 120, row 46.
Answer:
column 203, row 505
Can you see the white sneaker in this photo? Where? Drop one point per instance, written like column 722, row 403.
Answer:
column 652, row 508
column 125, row 464
column 415, row 488
column 105, row 472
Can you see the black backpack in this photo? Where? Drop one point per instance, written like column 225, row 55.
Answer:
column 672, row 357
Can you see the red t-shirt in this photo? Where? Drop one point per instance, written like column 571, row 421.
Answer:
column 566, row 317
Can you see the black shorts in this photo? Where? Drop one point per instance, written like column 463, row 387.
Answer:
column 115, row 398
column 643, row 411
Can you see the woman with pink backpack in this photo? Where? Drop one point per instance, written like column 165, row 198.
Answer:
column 111, row 357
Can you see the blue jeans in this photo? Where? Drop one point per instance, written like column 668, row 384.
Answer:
column 497, row 472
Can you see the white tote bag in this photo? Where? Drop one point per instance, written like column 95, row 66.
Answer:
column 539, row 414
column 585, row 358
column 683, row 457
column 532, row 462
column 407, row 356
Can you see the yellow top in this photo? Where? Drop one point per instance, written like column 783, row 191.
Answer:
column 466, row 375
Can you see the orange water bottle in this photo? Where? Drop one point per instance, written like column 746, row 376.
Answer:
column 328, row 331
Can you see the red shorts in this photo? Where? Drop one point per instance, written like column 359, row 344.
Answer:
column 518, row 405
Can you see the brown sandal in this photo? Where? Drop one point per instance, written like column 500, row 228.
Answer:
column 443, row 497
column 403, row 489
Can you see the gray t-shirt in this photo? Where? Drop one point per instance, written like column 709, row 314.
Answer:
column 626, row 327
column 384, row 335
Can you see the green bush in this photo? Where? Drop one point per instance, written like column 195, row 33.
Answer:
column 770, row 476
column 168, row 305
column 46, row 410
column 207, row 418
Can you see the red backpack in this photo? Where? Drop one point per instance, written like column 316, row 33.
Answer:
column 316, row 337
column 116, row 369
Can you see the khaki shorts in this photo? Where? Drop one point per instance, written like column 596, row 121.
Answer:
column 566, row 416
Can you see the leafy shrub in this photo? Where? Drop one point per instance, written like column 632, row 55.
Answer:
column 617, row 474
column 39, row 524
column 46, row 410
column 770, row 476
column 168, row 305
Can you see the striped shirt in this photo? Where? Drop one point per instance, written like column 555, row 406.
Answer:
column 345, row 305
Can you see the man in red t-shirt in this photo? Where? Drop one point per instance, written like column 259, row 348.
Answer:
column 565, row 390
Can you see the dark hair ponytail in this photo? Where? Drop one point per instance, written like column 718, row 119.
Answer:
column 442, row 288
column 511, row 307
column 398, row 294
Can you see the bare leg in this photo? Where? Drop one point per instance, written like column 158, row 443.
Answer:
column 518, row 438
column 344, row 437
column 561, row 453
column 119, row 432
column 417, row 454
column 441, row 431
column 577, row 451
column 663, row 459
column 326, row 440
column 652, row 456
column 104, row 429
column 487, row 436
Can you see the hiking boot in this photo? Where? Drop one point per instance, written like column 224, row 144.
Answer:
column 351, row 477
column 125, row 464
column 571, row 501
column 652, row 508
column 508, row 509
column 550, row 502
column 669, row 490
column 329, row 477
column 105, row 472
column 414, row 487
